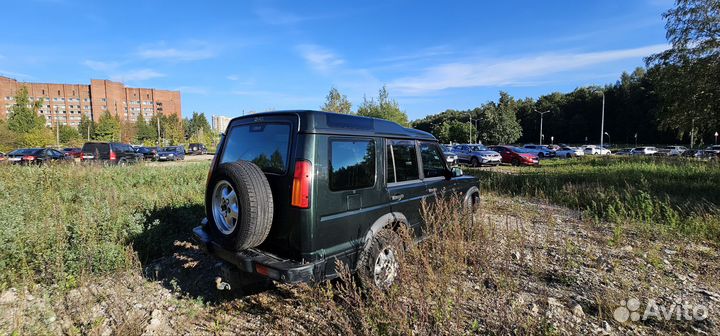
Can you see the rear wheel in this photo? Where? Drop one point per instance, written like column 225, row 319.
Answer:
column 239, row 205
column 568, row 155
column 379, row 264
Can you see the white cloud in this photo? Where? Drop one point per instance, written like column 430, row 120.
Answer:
column 136, row 75
column 193, row 51
column 101, row 66
column 319, row 58
column 192, row 90
column 233, row 77
column 275, row 17
column 498, row 72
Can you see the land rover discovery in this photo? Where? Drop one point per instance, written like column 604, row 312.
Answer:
column 291, row 192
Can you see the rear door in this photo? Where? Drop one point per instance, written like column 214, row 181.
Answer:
column 348, row 190
column 404, row 180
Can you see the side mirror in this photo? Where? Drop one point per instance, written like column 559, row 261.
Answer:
column 456, row 172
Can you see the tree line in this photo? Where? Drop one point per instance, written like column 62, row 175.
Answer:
column 674, row 98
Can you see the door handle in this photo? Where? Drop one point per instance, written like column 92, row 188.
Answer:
column 397, row 197
column 432, row 190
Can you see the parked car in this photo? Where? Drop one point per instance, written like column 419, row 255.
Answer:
column 540, row 150
column 291, row 193
column 568, row 152
column 643, row 151
column 516, row 156
column 672, row 150
column 42, row 156
column 595, row 150
column 16, row 156
column 172, row 153
column 451, row 158
column 148, row 153
column 476, row 155
column 197, row 149
column 714, row 149
column 109, row 153
column 624, row 151
column 2, row 157
column 72, row 152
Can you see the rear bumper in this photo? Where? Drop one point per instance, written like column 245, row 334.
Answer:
column 259, row 262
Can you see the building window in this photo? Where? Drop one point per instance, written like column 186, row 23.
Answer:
column 103, row 100
column 43, row 92
column 58, row 92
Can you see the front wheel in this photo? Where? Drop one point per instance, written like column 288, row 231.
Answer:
column 379, row 264
column 474, row 162
column 515, row 162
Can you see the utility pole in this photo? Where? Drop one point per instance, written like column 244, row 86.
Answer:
column 471, row 127
column 57, row 128
column 541, row 124
column 602, row 122
column 158, row 127
column 692, row 133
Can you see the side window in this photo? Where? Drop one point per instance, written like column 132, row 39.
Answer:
column 352, row 164
column 404, row 157
column 432, row 160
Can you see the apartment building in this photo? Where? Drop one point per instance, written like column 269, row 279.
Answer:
column 220, row 123
column 65, row 104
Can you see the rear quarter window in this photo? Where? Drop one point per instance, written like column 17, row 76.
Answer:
column 352, row 164
column 265, row 145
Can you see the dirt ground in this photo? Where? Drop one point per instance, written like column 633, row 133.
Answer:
column 550, row 265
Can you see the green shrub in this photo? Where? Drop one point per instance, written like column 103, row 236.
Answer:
column 61, row 222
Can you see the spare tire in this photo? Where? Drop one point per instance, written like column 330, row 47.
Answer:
column 239, row 205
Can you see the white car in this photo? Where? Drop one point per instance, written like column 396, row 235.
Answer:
column 713, row 149
column 643, row 151
column 568, row 152
column 672, row 150
column 595, row 150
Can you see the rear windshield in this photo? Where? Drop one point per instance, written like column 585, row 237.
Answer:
column 266, row 145
column 99, row 148
column 24, row 151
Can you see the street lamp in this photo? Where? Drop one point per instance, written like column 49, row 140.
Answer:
column 552, row 139
column 608, row 134
column 541, row 122
column 602, row 119
column 716, row 135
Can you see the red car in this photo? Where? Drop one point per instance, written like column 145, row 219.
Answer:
column 516, row 156
column 74, row 153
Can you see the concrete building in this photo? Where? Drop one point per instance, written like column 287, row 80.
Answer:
column 67, row 103
column 220, row 123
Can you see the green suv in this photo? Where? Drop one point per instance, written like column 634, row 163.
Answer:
column 291, row 192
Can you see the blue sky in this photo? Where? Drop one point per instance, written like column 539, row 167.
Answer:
column 230, row 56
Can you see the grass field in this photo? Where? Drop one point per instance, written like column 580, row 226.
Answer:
column 107, row 250
column 60, row 223
column 661, row 195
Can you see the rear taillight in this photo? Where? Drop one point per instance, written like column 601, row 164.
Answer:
column 113, row 156
column 302, row 181
column 82, row 156
column 28, row 158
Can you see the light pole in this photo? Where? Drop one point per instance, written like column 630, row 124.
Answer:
column 608, row 134
column 602, row 119
column 716, row 135
column 541, row 122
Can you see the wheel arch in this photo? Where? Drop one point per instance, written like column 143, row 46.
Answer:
column 392, row 219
